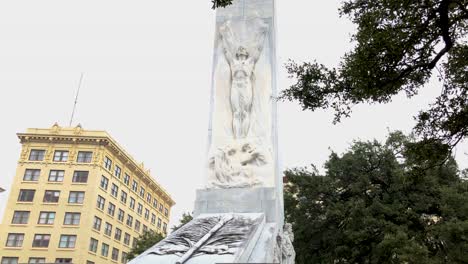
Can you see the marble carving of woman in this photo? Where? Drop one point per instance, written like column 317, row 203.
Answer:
column 242, row 58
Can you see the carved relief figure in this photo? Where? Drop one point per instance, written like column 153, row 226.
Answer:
column 226, row 234
column 232, row 166
column 287, row 248
column 242, row 59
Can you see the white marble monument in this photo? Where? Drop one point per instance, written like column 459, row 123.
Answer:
column 239, row 216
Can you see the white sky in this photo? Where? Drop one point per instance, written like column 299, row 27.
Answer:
column 147, row 71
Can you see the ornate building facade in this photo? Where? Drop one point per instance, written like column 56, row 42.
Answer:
column 78, row 197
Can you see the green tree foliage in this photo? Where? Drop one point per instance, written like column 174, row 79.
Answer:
column 220, row 3
column 186, row 217
column 397, row 202
column 399, row 45
column 144, row 242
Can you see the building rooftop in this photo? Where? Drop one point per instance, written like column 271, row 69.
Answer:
column 93, row 137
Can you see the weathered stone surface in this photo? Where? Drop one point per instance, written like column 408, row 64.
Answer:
column 232, row 242
column 258, row 200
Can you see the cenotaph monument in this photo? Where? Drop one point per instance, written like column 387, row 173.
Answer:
column 239, row 215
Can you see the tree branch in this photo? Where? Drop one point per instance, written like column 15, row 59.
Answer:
column 463, row 8
column 444, row 25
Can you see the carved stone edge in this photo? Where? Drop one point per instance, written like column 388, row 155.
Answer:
column 244, row 253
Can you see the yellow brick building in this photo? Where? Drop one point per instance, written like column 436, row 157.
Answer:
column 78, row 197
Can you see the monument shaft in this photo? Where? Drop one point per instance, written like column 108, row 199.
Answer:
column 242, row 134
column 239, row 215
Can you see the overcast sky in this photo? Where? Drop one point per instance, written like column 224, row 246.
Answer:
column 147, row 71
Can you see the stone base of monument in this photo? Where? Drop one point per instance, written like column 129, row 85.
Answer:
column 239, row 200
column 218, row 238
column 217, row 235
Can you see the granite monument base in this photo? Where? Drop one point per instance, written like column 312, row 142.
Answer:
column 239, row 200
column 218, row 238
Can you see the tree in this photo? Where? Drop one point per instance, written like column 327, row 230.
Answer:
column 397, row 202
column 220, row 3
column 144, row 242
column 399, row 46
column 186, row 217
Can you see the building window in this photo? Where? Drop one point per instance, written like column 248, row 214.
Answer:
column 15, row 240
column 108, row 229
column 107, row 163
column 97, row 223
column 118, row 234
column 31, row 175
column 9, row 260
column 134, row 242
column 46, row 218
column 56, row 175
column 100, row 202
column 104, row 182
column 114, row 190
column 89, row 262
column 126, row 179
column 166, row 212
column 51, row 196
column 165, row 227
column 41, row 241
column 160, row 207
column 111, row 209
column 20, row 218
column 93, row 244
column 67, row 241
column 153, row 219
column 145, row 228
column 142, row 192
column 115, row 254
column 72, row 219
column 36, row 261
column 123, row 197
column 124, row 258
column 117, row 171
column 132, row 203
column 63, row 260
column 84, row 157
column 127, row 239
column 147, row 214
column 135, row 186
column 37, row 155
column 104, row 250
column 148, row 198
column 137, row 225
column 61, row 156
column 155, row 203
column 159, row 223
column 140, row 209
column 121, row 215
column 80, row 176
column 76, row 197
column 26, row 195
column 129, row 220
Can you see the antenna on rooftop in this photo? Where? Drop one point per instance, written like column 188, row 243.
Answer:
column 76, row 99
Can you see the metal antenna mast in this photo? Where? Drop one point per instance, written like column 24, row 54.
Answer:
column 76, row 99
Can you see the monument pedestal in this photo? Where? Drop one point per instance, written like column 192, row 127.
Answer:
column 238, row 200
column 243, row 238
